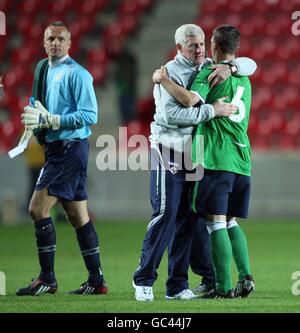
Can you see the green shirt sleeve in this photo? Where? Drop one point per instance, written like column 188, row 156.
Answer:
column 200, row 84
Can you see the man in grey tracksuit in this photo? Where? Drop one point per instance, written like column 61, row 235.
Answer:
column 173, row 222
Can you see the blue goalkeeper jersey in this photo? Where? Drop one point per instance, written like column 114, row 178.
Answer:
column 70, row 94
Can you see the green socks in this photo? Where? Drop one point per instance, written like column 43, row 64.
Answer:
column 221, row 255
column 240, row 250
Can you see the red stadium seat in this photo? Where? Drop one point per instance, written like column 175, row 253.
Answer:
column 294, row 76
column 24, row 54
column 6, row 5
column 246, row 29
column 233, row 19
column 114, row 30
column 236, row 6
column 89, row 7
column 253, row 122
column 146, row 109
column 264, row 25
column 36, row 31
column 101, row 4
column 207, row 23
column 259, row 24
column 288, row 6
column 97, row 56
column 24, row 24
column 14, row 76
column 129, row 7
column 293, row 125
column 9, row 134
column 59, row 7
column 258, row 142
column 268, row 45
column 99, row 73
column 209, row 7
column 172, row 54
column 129, row 24
column 30, row 7
column 145, row 4
column 81, row 26
column 282, row 141
column 136, row 127
column 260, row 6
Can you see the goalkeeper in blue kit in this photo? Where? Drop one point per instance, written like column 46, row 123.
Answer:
column 64, row 110
column 224, row 191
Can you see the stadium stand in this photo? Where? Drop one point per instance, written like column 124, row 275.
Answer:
column 265, row 28
column 26, row 21
column 266, row 37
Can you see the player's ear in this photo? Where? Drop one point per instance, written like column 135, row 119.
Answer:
column 214, row 46
column 179, row 47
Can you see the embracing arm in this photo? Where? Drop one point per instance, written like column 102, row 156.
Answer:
column 176, row 114
column 245, row 66
column 187, row 110
column 242, row 66
column 182, row 95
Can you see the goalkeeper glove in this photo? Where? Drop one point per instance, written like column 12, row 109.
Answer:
column 38, row 117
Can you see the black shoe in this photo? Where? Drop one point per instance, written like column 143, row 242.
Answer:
column 87, row 289
column 37, row 288
column 203, row 288
column 214, row 294
column 245, row 287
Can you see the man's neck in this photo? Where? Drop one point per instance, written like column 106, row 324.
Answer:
column 223, row 57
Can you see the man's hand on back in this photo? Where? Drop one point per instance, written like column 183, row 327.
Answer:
column 223, row 109
column 221, row 73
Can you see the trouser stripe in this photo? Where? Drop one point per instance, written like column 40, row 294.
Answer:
column 162, row 185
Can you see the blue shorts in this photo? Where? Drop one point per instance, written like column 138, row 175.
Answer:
column 222, row 193
column 65, row 171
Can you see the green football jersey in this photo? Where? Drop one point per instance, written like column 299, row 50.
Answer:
column 226, row 143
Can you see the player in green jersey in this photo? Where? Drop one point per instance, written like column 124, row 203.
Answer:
column 224, row 191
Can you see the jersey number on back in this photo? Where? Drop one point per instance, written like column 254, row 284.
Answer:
column 237, row 118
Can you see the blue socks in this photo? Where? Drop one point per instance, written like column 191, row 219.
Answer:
column 89, row 245
column 88, row 242
column 46, row 245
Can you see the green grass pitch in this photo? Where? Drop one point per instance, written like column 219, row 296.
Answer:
column 274, row 251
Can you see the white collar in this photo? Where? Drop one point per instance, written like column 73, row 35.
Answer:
column 59, row 61
column 183, row 60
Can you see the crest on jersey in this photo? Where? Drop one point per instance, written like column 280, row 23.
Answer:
column 58, row 76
